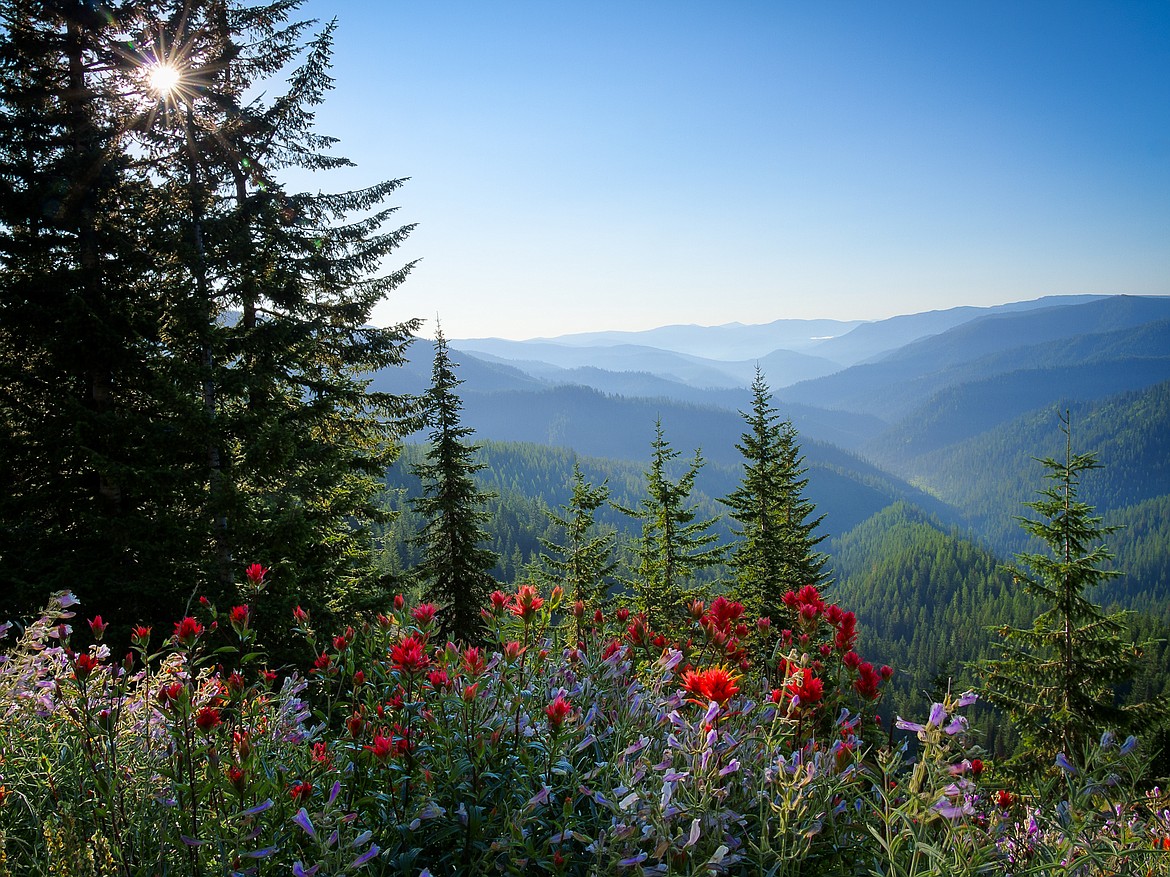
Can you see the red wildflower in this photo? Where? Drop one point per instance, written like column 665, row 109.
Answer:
column 469, row 692
column 500, row 602
column 866, row 684
column 188, row 631
column 83, row 665
column 256, row 573
column 382, row 747
column 424, row 614
column 236, row 777
column 623, row 615
column 805, row 686
column 97, row 627
column 323, row 664
column 725, row 612
column 410, row 655
column 300, row 792
column 207, row 718
column 439, row 679
column 512, row 650
column 846, row 635
column 300, row 616
column 399, row 602
column 977, row 767
column 240, row 616
column 321, row 753
column 140, row 635
column 715, row 684
column 557, row 712
column 473, row 661
column 638, row 632
column 242, row 743
column 359, row 678
column 528, row 602
column 886, row 671
column 579, row 610
column 168, row 694
column 852, row 660
column 355, row 724
column 1004, row 799
column 763, row 624
column 810, row 596
column 696, row 609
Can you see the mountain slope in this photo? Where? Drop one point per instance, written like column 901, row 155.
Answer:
column 892, row 387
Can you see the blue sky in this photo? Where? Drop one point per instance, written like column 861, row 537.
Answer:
column 587, row 166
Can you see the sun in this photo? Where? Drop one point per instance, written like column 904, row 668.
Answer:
column 163, row 79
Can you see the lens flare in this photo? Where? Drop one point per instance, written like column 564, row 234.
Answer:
column 163, row 79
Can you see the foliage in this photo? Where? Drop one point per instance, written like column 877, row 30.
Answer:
column 774, row 550
column 583, row 564
column 627, row 752
column 194, row 377
column 454, row 566
column 1057, row 679
column 674, row 542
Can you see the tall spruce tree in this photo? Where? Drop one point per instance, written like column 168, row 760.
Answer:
column 257, row 347
column 583, row 563
column 1057, row 680
column 454, row 569
column 89, row 425
column 775, row 551
column 674, row 542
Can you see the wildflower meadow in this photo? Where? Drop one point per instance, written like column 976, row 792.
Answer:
column 574, row 740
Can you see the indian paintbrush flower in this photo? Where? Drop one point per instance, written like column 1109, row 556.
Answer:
column 717, row 684
column 188, row 631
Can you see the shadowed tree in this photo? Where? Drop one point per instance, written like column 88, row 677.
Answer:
column 245, row 306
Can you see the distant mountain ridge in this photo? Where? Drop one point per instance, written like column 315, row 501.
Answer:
column 963, row 402
column 807, row 348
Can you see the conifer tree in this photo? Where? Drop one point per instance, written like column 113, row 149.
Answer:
column 583, row 563
column 254, row 348
column 1057, row 680
column 775, row 551
column 88, row 422
column 454, row 569
column 674, row 542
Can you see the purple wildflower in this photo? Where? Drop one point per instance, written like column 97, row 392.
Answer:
column 302, row 819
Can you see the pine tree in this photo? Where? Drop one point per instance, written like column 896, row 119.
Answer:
column 583, row 563
column 1057, row 680
column 454, row 570
column 775, row 551
column 88, row 422
column 250, row 304
column 674, row 542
